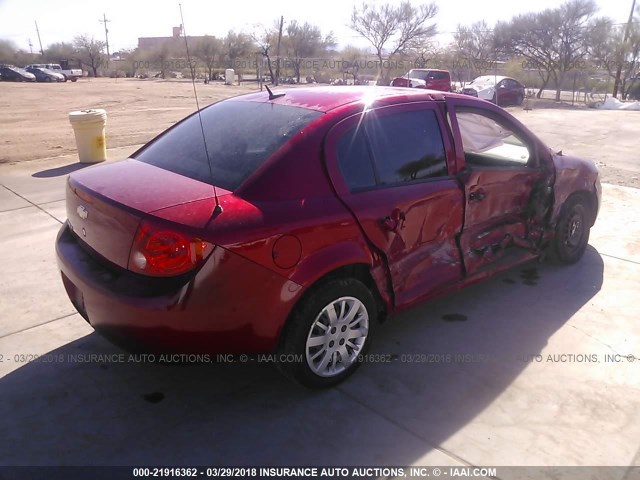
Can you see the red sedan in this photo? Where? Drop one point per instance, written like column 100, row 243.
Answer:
column 294, row 223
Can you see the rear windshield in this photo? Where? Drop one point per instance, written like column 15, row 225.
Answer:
column 240, row 136
column 428, row 75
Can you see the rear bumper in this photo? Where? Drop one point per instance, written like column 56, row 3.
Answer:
column 231, row 305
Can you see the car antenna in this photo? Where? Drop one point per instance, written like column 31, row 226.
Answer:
column 218, row 208
column 273, row 96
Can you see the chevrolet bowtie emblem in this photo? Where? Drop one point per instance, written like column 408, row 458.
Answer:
column 83, row 213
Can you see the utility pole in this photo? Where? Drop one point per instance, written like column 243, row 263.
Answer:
column 278, row 50
column 616, row 84
column 106, row 35
column 39, row 41
column 30, row 47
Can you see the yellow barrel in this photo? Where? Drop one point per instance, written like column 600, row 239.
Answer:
column 89, row 129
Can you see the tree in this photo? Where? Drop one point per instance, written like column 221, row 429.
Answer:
column 304, row 41
column 475, row 47
column 554, row 41
column 8, row 51
column 89, row 52
column 421, row 55
column 131, row 60
column 266, row 40
column 352, row 60
column 610, row 51
column 57, row 52
column 209, row 50
column 403, row 27
column 160, row 56
column 236, row 45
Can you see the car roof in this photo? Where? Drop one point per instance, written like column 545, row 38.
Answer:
column 430, row 70
column 324, row 99
column 487, row 78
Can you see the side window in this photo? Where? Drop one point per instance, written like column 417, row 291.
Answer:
column 354, row 160
column 489, row 142
column 406, row 146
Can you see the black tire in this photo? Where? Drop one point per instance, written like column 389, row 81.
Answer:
column 74, row 79
column 47, row 79
column 520, row 99
column 572, row 232
column 294, row 353
column 65, row 78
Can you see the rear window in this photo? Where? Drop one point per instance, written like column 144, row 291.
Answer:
column 439, row 75
column 240, row 136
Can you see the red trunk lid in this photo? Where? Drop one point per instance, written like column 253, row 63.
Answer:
column 105, row 204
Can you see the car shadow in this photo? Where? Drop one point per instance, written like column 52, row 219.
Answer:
column 60, row 171
column 69, row 408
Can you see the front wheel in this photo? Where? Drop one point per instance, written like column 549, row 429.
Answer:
column 572, row 232
column 328, row 333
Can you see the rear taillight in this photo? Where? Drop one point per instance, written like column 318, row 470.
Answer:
column 163, row 252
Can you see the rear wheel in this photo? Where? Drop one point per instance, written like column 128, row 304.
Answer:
column 519, row 99
column 47, row 79
column 572, row 232
column 329, row 332
column 74, row 79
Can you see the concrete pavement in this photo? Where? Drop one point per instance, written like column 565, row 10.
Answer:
column 529, row 368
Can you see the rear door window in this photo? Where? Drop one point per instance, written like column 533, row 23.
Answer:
column 407, row 146
column 240, row 137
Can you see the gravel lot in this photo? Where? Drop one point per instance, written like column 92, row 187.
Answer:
column 35, row 123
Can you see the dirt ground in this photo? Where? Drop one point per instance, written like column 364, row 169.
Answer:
column 34, row 123
column 137, row 110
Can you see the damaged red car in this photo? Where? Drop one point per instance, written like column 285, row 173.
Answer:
column 294, row 223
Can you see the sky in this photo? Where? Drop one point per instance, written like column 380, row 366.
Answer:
column 61, row 20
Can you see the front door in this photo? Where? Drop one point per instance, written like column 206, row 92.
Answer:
column 507, row 176
column 390, row 167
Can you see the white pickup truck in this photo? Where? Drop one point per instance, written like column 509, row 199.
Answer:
column 72, row 74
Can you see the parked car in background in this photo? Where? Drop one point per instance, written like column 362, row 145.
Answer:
column 294, row 222
column 45, row 75
column 424, row 78
column 15, row 74
column 68, row 73
column 500, row 90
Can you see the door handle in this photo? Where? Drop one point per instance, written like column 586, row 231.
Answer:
column 394, row 221
column 477, row 196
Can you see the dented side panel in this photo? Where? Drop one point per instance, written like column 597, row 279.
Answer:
column 496, row 214
column 574, row 175
column 421, row 252
column 412, row 228
column 506, row 207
